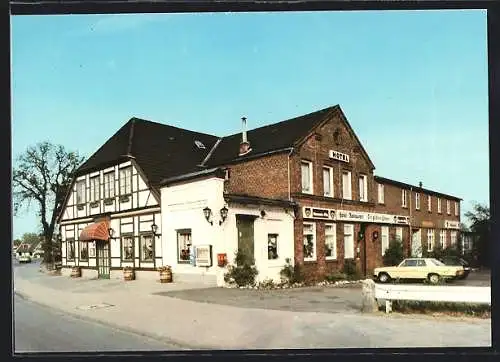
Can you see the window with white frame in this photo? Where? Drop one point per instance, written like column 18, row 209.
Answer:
column 127, row 247
column 442, row 239
column 70, row 249
column 346, row 185
column 453, row 237
column 384, row 238
column 80, row 192
column 380, row 193
column 328, row 181
column 183, row 245
column 309, row 242
column 363, row 188
column 404, row 196
column 147, row 247
column 456, row 208
column 109, row 185
column 417, row 201
column 272, row 246
column 125, row 181
column 84, row 250
column 307, row 179
column 399, row 233
column 94, row 188
column 330, row 241
column 430, row 239
column 448, row 207
column 348, row 241
column 439, row 205
column 429, row 203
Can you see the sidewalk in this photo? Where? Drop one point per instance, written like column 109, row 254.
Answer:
column 195, row 325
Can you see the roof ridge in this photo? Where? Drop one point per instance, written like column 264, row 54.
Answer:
column 171, row 126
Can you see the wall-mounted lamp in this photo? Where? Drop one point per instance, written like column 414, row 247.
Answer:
column 375, row 235
column 111, row 233
column 223, row 215
column 59, row 238
column 154, row 229
column 208, row 214
column 262, row 213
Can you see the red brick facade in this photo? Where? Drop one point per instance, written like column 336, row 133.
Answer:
column 268, row 177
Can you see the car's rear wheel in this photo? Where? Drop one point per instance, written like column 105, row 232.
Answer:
column 384, row 278
column 433, row 278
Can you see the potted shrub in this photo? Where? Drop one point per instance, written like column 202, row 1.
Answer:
column 128, row 273
column 165, row 274
column 76, row 272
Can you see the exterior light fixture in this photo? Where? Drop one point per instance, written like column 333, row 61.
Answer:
column 154, row 229
column 208, row 213
column 262, row 213
column 111, row 232
column 223, row 215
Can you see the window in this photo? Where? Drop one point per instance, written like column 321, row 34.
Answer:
column 430, row 240
column 439, row 205
column 380, row 193
column 126, row 181
column 80, row 192
column 385, row 238
column 417, row 201
column 399, row 233
column 109, row 185
column 272, row 246
column 94, row 188
column 363, row 188
column 448, row 207
column 328, row 181
column 183, row 245
column 442, row 238
column 199, row 144
column 348, row 241
column 84, row 250
column 330, row 241
column 453, row 238
column 456, row 208
column 70, row 251
column 127, row 248
column 307, row 182
column 403, row 198
column 346, row 185
column 429, row 203
column 410, row 262
column 147, row 249
column 421, row 262
column 309, row 242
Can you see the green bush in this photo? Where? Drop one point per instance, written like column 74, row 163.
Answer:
column 291, row 274
column 243, row 273
column 350, row 269
column 424, row 307
column 394, row 253
column 335, row 276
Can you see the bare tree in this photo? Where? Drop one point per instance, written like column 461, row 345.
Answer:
column 43, row 174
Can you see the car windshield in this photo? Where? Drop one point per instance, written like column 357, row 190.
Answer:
column 436, row 262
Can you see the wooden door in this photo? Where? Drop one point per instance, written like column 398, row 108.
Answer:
column 103, row 259
column 244, row 225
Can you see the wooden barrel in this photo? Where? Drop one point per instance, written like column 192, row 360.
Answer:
column 76, row 272
column 166, row 275
column 128, row 274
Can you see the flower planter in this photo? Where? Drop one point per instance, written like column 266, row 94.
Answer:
column 76, row 272
column 165, row 274
column 128, row 274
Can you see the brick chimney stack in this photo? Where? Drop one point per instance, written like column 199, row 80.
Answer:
column 244, row 145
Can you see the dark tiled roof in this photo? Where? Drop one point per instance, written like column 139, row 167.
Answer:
column 276, row 136
column 161, row 150
column 403, row 185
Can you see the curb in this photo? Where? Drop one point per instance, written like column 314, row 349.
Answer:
column 176, row 343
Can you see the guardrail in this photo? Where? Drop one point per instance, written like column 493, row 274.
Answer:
column 426, row 293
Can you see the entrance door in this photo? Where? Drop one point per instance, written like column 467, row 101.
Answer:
column 103, row 259
column 416, row 244
column 244, row 225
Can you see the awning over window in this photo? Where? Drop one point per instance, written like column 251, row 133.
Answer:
column 95, row 231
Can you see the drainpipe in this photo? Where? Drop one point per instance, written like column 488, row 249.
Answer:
column 410, row 222
column 289, row 186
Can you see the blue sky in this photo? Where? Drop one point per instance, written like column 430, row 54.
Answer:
column 413, row 85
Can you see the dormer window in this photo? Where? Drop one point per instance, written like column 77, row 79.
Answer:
column 199, row 144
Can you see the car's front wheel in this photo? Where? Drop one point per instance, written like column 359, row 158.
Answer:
column 383, row 278
column 433, row 278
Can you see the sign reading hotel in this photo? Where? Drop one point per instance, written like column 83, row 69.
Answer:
column 357, row 216
column 336, row 155
column 451, row 224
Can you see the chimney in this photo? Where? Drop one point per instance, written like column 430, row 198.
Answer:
column 420, row 184
column 244, row 145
